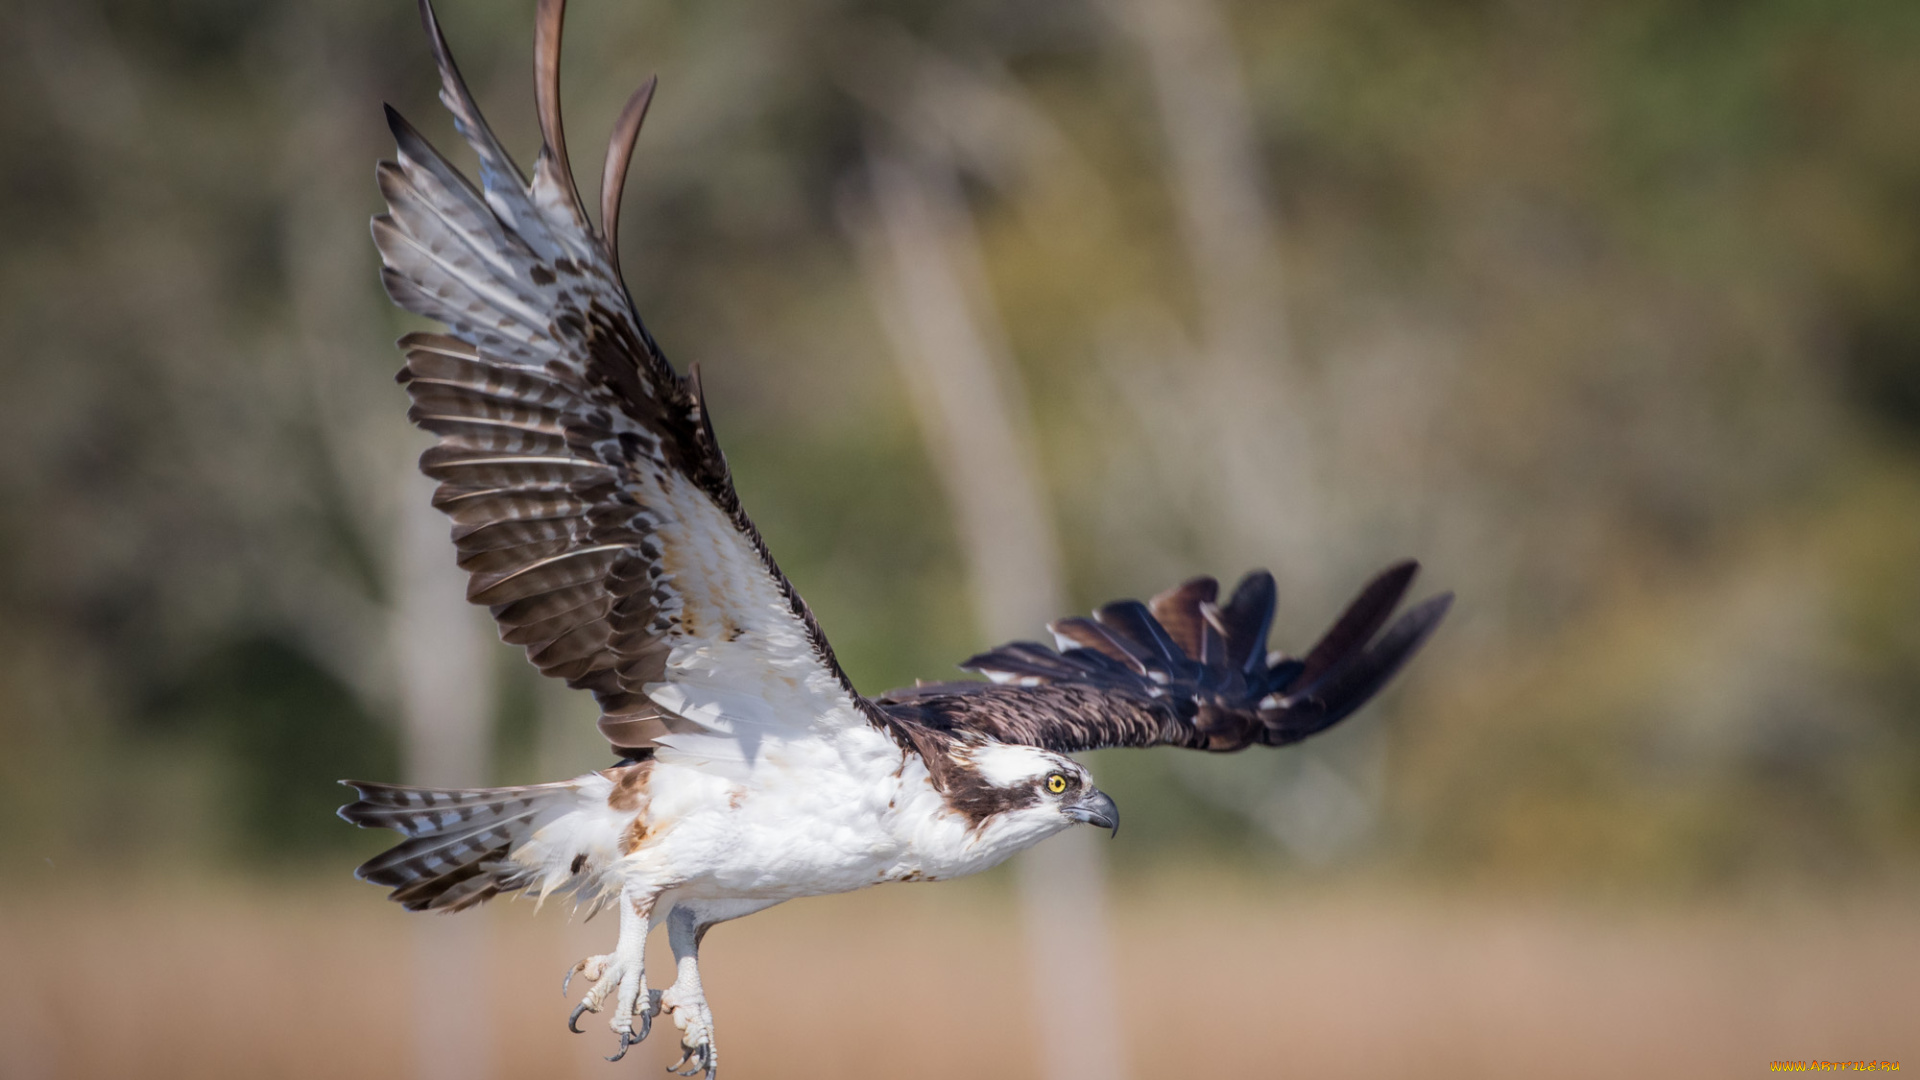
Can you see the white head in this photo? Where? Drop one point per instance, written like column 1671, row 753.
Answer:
column 1016, row 796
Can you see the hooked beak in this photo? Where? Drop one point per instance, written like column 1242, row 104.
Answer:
column 1094, row 808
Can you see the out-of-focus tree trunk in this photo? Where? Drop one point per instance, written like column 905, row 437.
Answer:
column 921, row 262
column 1258, row 399
column 441, row 648
column 436, row 666
column 1265, row 442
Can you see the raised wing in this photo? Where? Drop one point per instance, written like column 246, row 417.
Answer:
column 591, row 505
column 1180, row 671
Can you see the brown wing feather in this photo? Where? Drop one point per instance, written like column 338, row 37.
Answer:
column 592, row 507
column 1205, row 682
column 1179, row 610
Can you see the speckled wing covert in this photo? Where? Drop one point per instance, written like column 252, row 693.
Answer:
column 1180, row 671
column 591, row 505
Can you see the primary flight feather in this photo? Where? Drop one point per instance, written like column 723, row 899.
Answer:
column 596, row 518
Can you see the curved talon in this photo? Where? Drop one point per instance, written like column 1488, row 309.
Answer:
column 568, row 981
column 697, row 1061
column 573, row 1018
column 646, row 1027
column 627, row 1038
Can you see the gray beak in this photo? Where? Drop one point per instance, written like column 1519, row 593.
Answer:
column 1094, row 808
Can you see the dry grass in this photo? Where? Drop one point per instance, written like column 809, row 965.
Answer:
column 164, row 981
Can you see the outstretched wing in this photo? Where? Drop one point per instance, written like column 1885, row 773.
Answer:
column 1180, row 671
column 591, row 505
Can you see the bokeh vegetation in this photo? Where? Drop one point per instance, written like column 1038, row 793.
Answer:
column 1609, row 311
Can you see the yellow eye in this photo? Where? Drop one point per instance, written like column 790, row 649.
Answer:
column 1056, row 783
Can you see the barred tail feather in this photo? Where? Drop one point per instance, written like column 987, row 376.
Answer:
column 466, row 846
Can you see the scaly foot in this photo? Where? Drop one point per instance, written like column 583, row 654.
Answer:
column 695, row 1021
column 623, row 978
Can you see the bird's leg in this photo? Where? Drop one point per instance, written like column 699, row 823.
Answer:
column 622, row 974
column 685, row 1001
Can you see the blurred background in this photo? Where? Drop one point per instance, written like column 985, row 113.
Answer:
column 1608, row 312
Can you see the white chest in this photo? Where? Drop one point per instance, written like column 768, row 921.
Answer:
column 812, row 818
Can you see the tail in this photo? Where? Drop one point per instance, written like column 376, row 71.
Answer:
column 464, row 846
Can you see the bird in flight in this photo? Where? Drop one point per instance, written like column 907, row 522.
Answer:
column 595, row 516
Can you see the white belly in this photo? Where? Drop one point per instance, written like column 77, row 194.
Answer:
column 811, row 818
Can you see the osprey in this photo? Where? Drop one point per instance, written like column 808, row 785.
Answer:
column 594, row 512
